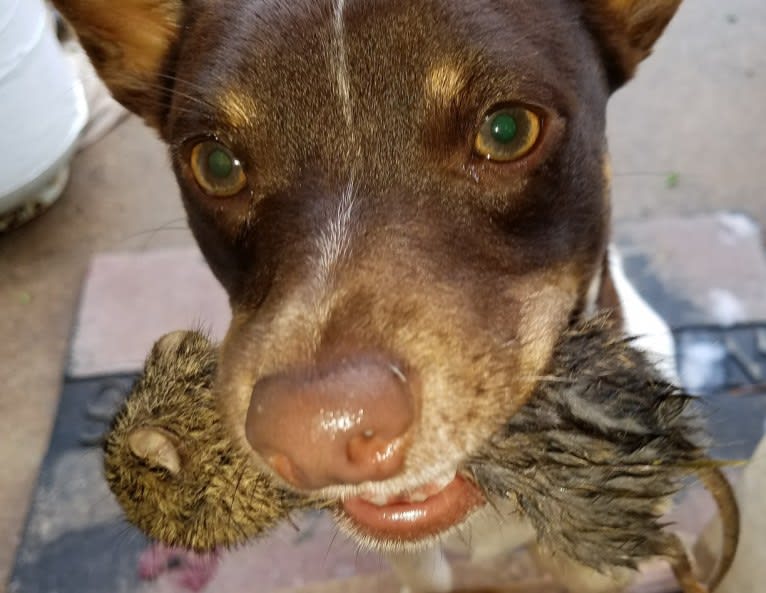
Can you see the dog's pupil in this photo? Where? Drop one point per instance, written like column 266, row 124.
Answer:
column 504, row 128
column 220, row 164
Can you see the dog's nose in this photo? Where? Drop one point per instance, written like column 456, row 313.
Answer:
column 343, row 424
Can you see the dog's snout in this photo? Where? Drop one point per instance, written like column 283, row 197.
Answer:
column 346, row 423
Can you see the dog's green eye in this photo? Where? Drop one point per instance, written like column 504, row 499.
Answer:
column 217, row 171
column 507, row 134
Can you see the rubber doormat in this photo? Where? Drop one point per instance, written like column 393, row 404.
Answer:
column 75, row 539
column 726, row 367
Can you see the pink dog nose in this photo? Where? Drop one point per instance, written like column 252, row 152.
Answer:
column 343, row 424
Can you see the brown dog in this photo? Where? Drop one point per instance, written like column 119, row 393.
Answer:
column 407, row 202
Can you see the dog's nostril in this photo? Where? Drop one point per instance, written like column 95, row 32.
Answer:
column 368, row 449
column 285, row 468
column 344, row 425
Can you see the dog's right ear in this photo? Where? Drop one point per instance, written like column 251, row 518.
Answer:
column 626, row 31
column 130, row 43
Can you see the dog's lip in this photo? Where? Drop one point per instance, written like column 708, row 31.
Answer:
column 406, row 520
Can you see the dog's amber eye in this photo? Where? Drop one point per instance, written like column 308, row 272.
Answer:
column 217, row 171
column 508, row 134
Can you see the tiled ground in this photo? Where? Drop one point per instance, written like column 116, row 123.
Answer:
column 688, row 135
column 121, row 196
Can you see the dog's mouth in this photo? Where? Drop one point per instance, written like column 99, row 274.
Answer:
column 415, row 515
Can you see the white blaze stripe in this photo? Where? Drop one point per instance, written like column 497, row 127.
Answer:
column 341, row 61
column 334, row 241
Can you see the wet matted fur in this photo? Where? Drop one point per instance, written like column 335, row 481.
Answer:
column 594, row 456
column 593, row 459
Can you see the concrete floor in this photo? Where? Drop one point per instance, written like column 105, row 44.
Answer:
column 696, row 110
column 121, row 196
column 688, row 135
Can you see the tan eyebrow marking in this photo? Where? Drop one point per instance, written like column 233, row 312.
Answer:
column 237, row 107
column 444, row 82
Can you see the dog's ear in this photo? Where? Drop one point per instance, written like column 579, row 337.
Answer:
column 627, row 30
column 129, row 43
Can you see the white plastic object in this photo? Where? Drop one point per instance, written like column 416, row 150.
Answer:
column 42, row 108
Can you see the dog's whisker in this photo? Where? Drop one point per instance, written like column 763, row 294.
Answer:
column 176, row 80
column 336, row 531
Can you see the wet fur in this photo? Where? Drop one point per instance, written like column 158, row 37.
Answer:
column 595, row 456
column 593, row 459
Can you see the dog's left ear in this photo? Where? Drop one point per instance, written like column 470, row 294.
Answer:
column 129, row 43
column 626, row 31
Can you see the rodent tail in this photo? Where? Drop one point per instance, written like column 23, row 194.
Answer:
column 720, row 489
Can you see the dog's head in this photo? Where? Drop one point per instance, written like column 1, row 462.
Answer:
column 407, row 202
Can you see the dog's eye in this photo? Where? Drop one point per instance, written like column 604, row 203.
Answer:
column 217, row 171
column 507, row 134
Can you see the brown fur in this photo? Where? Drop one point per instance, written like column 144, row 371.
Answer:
column 368, row 222
column 464, row 269
column 592, row 459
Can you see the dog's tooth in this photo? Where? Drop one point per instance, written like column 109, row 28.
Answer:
column 379, row 500
column 418, row 497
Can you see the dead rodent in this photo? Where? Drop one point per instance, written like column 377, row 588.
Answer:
column 592, row 459
column 596, row 454
column 170, row 463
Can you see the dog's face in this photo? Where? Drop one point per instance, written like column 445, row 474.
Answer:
column 406, row 202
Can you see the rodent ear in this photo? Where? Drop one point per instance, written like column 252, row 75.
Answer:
column 156, row 448
column 627, row 31
column 129, row 43
column 170, row 342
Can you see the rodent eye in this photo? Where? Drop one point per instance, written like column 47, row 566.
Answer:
column 217, row 171
column 508, row 134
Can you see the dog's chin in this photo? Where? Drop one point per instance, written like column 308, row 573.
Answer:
column 413, row 519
